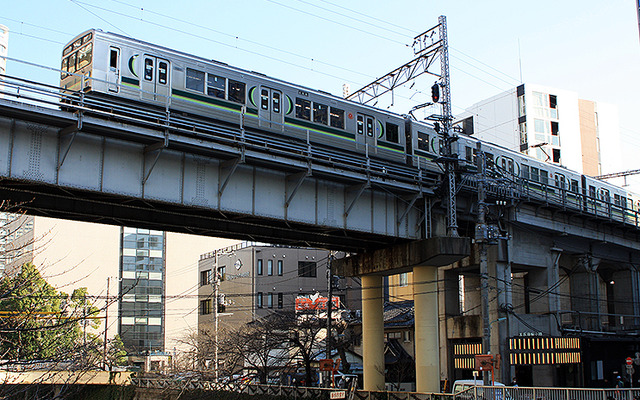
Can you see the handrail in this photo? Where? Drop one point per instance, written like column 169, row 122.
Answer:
column 252, row 139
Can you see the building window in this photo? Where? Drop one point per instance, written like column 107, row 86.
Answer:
column 269, row 267
column 280, row 301
column 205, row 277
column 307, row 269
column 205, row 307
column 521, row 106
column 259, row 267
column 270, row 300
column 280, row 267
column 259, row 300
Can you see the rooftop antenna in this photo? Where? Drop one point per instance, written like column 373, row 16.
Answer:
column 520, row 60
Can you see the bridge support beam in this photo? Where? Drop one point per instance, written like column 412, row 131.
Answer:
column 372, row 332
column 427, row 343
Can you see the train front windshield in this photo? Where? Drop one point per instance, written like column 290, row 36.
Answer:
column 76, row 59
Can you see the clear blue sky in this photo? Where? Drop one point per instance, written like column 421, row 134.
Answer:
column 591, row 47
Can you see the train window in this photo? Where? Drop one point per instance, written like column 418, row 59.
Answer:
column 544, row 177
column 303, row 109
column 195, row 80
column 392, row 133
column 320, row 113
column 276, row 102
column 369, row 126
column 67, row 50
column 574, row 186
column 86, row 38
column 560, row 182
column 510, row 165
column 216, row 86
column 237, row 91
column 535, row 174
column 264, row 99
column 162, row 72
column 77, row 44
column 64, row 67
column 524, row 172
column 468, row 153
column 113, row 58
column 72, row 62
column 423, row 141
column 84, row 56
column 616, row 199
column 337, row 118
column 360, row 125
column 592, row 192
column 489, row 160
column 148, row 69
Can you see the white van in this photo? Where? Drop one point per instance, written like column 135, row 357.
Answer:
column 464, row 384
column 481, row 392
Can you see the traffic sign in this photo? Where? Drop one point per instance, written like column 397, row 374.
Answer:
column 629, row 361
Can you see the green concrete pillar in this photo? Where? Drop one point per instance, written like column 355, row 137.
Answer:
column 372, row 332
column 425, row 298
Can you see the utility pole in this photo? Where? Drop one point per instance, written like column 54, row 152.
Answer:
column 106, row 325
column 450, row 163
column 329, row 307
column 215, row 316
column 481, row 240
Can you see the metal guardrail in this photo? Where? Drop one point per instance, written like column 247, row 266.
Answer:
column 474, row 393
column 545, row 393
column 241, row 138
column 79, row 102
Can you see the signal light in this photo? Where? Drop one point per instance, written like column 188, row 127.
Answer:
column 435, row 92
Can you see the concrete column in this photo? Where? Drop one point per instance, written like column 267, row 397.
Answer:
column 425, row 298
column 372, row 332
column 552, row 278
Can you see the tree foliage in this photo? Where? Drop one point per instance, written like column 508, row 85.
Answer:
column 39, row 323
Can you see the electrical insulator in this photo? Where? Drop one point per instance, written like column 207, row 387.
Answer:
column 435, row 92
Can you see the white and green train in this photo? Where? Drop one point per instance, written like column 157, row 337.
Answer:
column 129, row 70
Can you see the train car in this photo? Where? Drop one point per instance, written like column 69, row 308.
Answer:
column 131, row 71
column 108, row 64
column 551, row 183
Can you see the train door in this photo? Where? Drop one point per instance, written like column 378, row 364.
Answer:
column 365, row 133
column 270, row 112
column 113, row 71
column 155, row 83
column 561, row 184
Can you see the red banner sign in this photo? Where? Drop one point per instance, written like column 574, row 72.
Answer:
column 320, row 303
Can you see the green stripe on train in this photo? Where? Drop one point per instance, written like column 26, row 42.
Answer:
column 207, row 101
column 325, row 131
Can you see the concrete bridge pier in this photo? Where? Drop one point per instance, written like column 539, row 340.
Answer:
column 427, row 342
column 423, row 257
column 373, row 332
